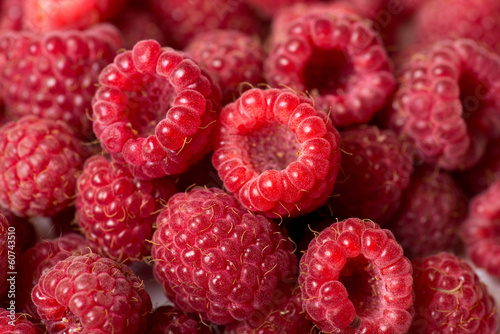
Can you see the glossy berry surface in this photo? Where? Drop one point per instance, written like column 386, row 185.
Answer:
column 355, row 279
column 276, row 153
column 19, row 324
column 214, row 257
column 170, row 320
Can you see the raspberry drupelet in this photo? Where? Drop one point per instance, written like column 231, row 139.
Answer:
column 171, row 320
column 214, row 257
column 450, row 298
column 336, row 57
column 90, row 294
column 355, row 279
column 39, row 165
column 234, row 58
column 481, row 230
column 276, row 153
column 21, row 324
column 116, row 211
column 54, row 75
column 155, row 110
column 448, row 102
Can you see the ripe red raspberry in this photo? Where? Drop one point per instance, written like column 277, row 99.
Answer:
column 155, row 110
column 16, row 323
column 39, row 258
column 234, row 58
column 215, row 258
column 25, row 232
column 184, row 19
column 447, row 102
column 11, row 14
column 45, row 15
column 377, row 169
column 268, row 9
column 39, row 164
column 54, row 75
column 92, row 295
column 168, row 319
column 355, row 279
column 4, row 253
column 284, row 315
column 481, row 230
column 336, row 57
column 276, row 153
column 432, row 210
column 117, row 212
column 450, row 298
column 475, row 19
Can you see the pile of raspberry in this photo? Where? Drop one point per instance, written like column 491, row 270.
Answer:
column 249, row 166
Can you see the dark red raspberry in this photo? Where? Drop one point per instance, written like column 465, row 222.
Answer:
column 284, row 315
column 475, row 19
column 16, row 323
column 184, row 19
column 355, row 279
column 336, row 57
column 234, row 58
column 39, row 164
column 276, row 153
column 447, row 103
column 215, row 258
column 170, row 320
column 376, row 170
column 117, row 212
column 46, row 15
column 155, row 110
column 25, row 232
column 54, row 75
column 39, row 258
column 481, row 230
column 450, row 298
column 92, row 295
column 432, row 210
column 4, row 253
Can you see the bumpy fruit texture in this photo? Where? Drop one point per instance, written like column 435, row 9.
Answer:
column 448, row 102
column 234, row 58
column 54, row 75
column 169, row 319
column 355, row 279
column 214, row 257
column 432, row 211
column 92, row 295
column 117, row 212
column 334, row 55
column 276, row 153
column 376, row 169
column 19, row 325
column 155, row 110
column 450, row 298
column 481, row 230
column 39, row 164
column 268, row 9
column 11, row 14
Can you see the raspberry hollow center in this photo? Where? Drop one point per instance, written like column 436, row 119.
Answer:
column 271, row 147
column 327, row 71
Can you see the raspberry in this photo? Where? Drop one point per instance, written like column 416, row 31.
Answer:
column 168, row 319
column 4, row 253
column 117, row 212
column 24, row 231
column 215, row 258
column 450, row 298
column 481, row 230
column 16, row 323
column 475, row 19
column 447, row 102
column 432, row 210
column 39, row 258
column 276, row 153
column 38, row 166
column 155, row 110
column 53, row 75
column 184, row 19
column 283, row 315
column 233, row 57
column 92, row 295
column 335, row 56
column 268, row 9
column 377, row 169
column 11, row 14
column 355, row 279
column 45, row 15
